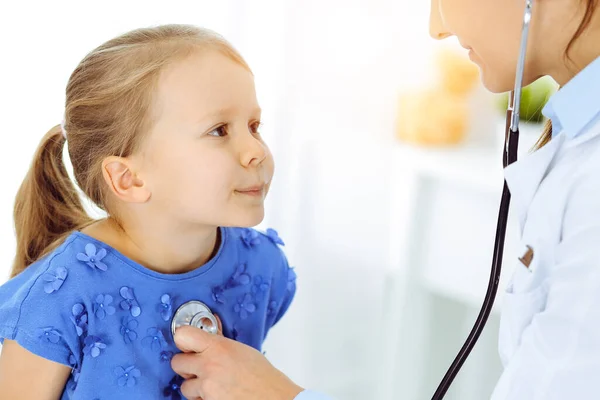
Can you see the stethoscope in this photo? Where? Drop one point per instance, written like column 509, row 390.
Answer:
column 511, row 142
column 197, row 314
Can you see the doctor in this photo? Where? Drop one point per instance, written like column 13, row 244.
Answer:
column 550, row 324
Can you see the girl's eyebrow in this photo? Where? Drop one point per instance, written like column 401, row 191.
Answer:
column 223, row 112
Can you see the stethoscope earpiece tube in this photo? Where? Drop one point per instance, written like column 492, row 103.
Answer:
column 510, row 155
column 511, row 143
column 488, row 302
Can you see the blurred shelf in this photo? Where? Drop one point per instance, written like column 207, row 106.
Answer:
column 469, row 163
column 477, row 166
column 466, row 291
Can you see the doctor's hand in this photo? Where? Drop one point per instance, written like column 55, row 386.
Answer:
column 217, row 368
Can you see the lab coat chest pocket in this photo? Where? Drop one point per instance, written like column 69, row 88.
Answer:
column 524, row 297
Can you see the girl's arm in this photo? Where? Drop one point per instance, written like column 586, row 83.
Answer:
column 26, row 376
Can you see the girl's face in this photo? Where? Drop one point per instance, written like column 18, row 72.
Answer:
column 204, row 160
column 491, row 31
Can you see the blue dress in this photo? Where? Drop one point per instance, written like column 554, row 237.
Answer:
column 89, row 307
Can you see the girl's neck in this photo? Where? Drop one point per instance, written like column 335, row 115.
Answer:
column 162, row 249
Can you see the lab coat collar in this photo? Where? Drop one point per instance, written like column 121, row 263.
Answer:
column 590, row 133
column 575, row 107
column 524, row 176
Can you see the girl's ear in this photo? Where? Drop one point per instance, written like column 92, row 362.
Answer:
column 123, row 181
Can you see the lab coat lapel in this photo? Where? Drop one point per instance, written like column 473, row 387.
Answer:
column 524, row 176
column 579, row 140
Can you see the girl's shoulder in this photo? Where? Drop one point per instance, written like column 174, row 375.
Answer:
column 44, row 307
column 260, row 253
column 265, row 266
column 256, row 243
column 76, row 261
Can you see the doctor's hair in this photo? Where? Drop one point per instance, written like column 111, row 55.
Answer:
column 590, row 7
column 110, row 99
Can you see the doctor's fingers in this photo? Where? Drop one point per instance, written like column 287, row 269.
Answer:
column 190, row 365
column 192, row 339
column 192, row 389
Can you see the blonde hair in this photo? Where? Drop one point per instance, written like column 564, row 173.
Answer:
column 108, row 102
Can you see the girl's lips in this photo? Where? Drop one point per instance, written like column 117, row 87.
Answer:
column 257, row 190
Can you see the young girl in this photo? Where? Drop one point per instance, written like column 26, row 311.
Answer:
column 162, row 128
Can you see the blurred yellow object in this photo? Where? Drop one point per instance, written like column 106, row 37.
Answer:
column 458, row 74
column 434, row 117
column 439, row 116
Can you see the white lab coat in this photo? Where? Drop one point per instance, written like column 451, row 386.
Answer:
column 550, row 325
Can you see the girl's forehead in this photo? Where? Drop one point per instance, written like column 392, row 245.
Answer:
column 207, row 83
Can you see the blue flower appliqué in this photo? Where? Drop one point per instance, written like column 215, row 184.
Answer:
column 79, row 318
column 260, row 287
column 129, row 301
column 93, row 257
column 239, row 278
column 48, row 335
column 165, row 308
column 128, row 326
column 75, row 371
column 72, row 361
column 250, row 237
column 93, row 346
column 155, row 339
column 274, row 236
column 291, row 281
column 54, row 281
column 103, row 306
column 218, row 294
column 272, row 309
column 244, row 306
column 165, row 356
column 127, row 376
column 173, row 390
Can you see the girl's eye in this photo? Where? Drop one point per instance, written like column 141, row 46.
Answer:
column 255, row 128
column 218, row 132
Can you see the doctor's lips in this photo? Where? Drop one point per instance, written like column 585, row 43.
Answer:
column 468, row 48
column 464, row 47
column 256, row 190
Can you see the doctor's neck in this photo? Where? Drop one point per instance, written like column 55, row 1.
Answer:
column 580, row 38
column 581, row 46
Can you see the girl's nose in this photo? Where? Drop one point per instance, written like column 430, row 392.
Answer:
column 254, row 150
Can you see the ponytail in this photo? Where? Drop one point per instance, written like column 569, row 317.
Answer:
column 545, row 137
column 47, row 207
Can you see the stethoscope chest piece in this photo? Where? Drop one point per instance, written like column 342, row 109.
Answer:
column 194, row 313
